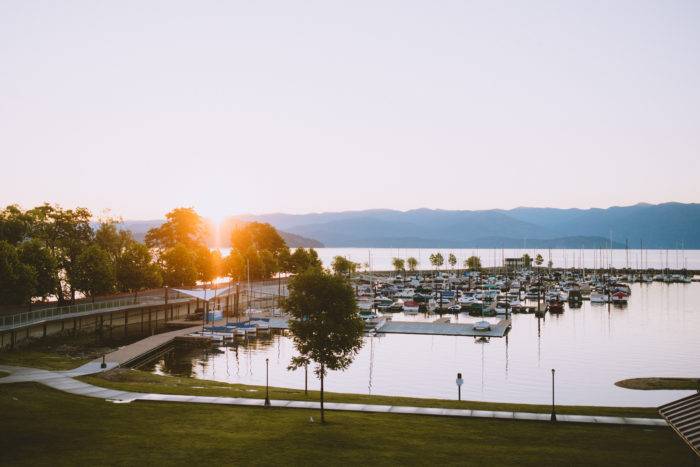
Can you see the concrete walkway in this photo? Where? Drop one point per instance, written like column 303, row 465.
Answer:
column 63, row 381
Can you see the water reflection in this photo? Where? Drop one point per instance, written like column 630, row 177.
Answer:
column 591, row 347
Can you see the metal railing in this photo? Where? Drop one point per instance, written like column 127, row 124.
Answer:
column 28, row 317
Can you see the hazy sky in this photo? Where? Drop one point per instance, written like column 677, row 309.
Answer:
column 298, row 106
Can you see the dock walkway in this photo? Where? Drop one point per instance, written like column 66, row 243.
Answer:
column 136, row 350
column 444, row 329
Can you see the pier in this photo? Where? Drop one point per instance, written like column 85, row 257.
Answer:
column 441, row 328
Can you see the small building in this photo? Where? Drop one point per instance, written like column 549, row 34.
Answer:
column 513, row 263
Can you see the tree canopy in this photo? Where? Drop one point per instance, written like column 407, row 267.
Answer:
column 326, row 328
column 182, row 226
column 412, row 263
column 473, row 263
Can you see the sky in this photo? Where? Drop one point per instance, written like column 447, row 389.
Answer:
column 138, row 107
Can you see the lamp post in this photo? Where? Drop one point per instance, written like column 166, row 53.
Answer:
column 554, row 413
column 459, row 382
column 267, row 382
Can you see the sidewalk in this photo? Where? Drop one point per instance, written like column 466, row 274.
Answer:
column 63, row 381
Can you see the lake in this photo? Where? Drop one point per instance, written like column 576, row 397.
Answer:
column 656, row 334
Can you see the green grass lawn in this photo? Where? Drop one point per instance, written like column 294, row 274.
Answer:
column 41, row 426
column 660, row 383
column 45, row 360
column 140, row 381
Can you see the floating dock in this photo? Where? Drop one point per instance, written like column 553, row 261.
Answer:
column 499, row 329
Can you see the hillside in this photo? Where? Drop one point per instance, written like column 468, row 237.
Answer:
column 668, row 225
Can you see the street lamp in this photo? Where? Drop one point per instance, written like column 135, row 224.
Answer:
column 459, row 382
column 554, row 413
column 267, row 382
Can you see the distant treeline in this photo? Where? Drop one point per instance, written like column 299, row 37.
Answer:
column 51, row 252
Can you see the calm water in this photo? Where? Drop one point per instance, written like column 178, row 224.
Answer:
column 656, row 334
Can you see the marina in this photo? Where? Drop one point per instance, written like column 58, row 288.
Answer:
column 592, row 346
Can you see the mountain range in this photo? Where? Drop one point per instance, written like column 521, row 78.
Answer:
column 667, row 225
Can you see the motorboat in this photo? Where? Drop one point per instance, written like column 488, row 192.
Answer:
column 599, row 298
column 455, row 308
column 619, row 298
column 411, row 307
column 482, row 326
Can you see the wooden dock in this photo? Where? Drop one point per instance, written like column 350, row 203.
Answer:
column 499, row 329
column 132, row 352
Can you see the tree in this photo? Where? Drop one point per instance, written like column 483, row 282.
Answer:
column 234, row 266
column 17, row 280
column 473, row 263
column 259, row 236
column 34, row 254
column 302, row 259
column 527, row 260
column 539, row 260
column 343, row 266
column 398, row 264
column 325, row 326
column 412, row 263
column 179, row 266
column 135, row 269
column 208, row 263
column 452, row 259
column 15, row 225
column 183, row 226
column 437, row 260
column 111, row 239
column 93, row 272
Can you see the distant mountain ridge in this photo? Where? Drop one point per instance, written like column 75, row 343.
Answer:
column 667, row 225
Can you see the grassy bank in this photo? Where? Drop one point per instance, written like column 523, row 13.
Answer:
column 659, row 383
column 66, row 351
column 41, row 359
column 44, row 426
column 140, row 381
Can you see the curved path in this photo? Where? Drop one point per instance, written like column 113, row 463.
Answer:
column 64, row 381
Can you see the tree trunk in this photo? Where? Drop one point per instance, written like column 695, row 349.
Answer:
column 323, row 419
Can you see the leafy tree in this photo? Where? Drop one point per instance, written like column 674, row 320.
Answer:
column 325, row 326
column 303, row 259
column 183, row 226
column 259, row 236
column 539, row 260
column 179, row 266
column 412, row 263
column 135, row 269
column 437, row 260
column 473, row 263
column 527, row 260
column 15, row 225
column 17, row 280
column 93, row 272
column 234, row 266
column 398, row 264
column 452, row 259
column 343, row 266
column 208, row 263
column 35, row 255
column 69, row 234
column 111, row 239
